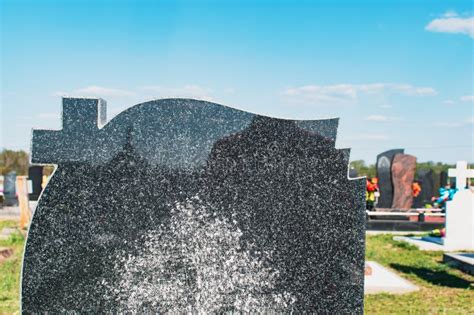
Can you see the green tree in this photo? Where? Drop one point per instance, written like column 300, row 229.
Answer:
column 362, row 168
column 11, row 160
column 437, row 167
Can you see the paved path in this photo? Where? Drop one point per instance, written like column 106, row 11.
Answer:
column 10, row 213
column 13, row 213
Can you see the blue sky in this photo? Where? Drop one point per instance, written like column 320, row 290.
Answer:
column 398, row 74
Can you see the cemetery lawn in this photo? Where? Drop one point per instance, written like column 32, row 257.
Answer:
column 10, row 270
column 442, row 289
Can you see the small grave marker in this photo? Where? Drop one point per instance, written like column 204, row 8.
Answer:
column 460, row 211
column 461, row 173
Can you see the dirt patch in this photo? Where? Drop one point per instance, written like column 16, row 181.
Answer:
column 5, row 253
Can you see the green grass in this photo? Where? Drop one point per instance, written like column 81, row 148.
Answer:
column 10, row 271
column 8, row 223
column 444, row 290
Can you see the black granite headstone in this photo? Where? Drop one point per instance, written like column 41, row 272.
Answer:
column 35, row 174
column 384, row 175
column 443, row 179
column 185, row 206
column 426, row 180
column 9, row 189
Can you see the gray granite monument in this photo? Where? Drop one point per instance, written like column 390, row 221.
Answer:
column 9, row 189
column 183, row 206
column 384, row 175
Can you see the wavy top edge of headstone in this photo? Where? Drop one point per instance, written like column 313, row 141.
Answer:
column 85, row 127
column 155, row 100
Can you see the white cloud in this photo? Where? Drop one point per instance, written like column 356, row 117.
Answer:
column 346, row 93
column 456, row 124
column 381, row 118
column 408, row 89
column 59, row 94
column 448, row 124
column 329, row 93
column 467, row 98
column 450, row 22
column 385, row 106
column 377, row 118
column 102, row 92
column 450, row 13
column 187, row 91
column 448, row 102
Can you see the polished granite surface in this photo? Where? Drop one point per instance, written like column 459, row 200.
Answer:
column 180, row 205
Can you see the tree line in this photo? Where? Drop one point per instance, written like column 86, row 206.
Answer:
column 18, row 161
column 369, row 170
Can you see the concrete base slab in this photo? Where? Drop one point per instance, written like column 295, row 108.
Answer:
column 382, row 280
column 13, row 213
column 434, row 239
column 402, row 225
column 422, row 243
column 9, row 212
column 462, row 261
column 394, row 232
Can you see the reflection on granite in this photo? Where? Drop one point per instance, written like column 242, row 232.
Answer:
column 180, row 205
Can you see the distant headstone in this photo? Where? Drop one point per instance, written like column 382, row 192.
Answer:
column 403, row 175
column 185, row 206
column 35, row 175
column 443, row 179
column 353, row 173
column 426, row 179
column 1, row 190
column 384, row 175
column 460, row 221
column 9, row 189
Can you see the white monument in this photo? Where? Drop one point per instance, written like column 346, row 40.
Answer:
column 460, row 211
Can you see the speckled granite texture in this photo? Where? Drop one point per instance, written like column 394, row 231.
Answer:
column 180, row 205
